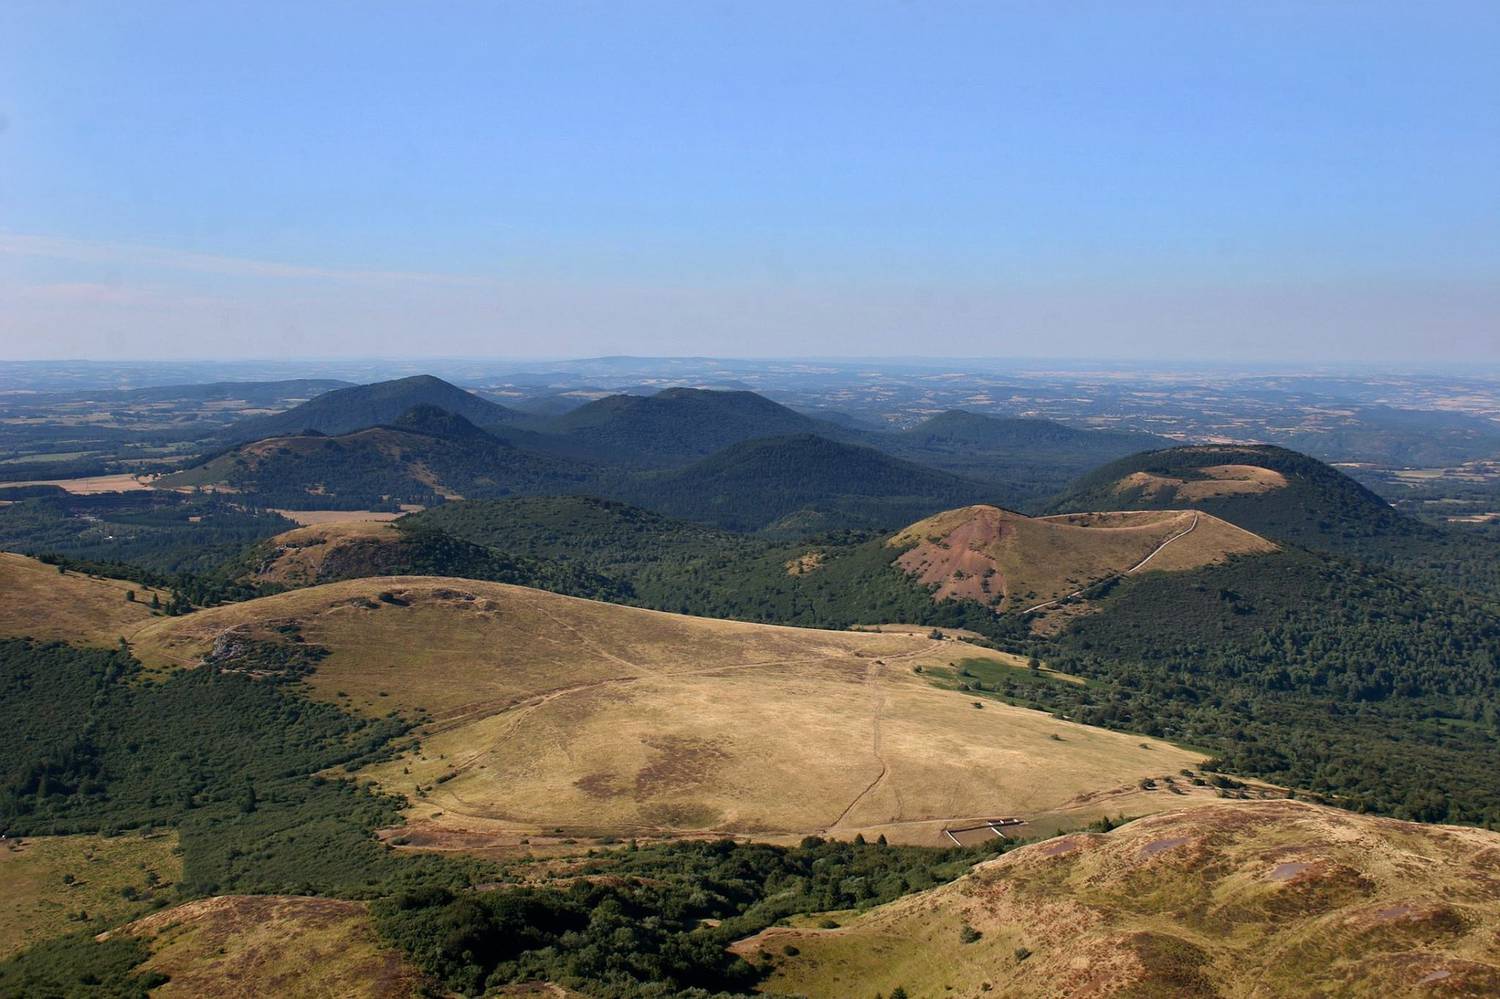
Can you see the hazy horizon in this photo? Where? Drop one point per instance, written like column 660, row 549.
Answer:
column 1201, row 183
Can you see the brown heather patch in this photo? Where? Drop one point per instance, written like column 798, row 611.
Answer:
column 679, row 763
column 1201, row 914
column 240, row 945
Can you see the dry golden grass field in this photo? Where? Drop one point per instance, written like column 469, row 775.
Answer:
column 1012, row 562
column 1219, row 480
column 39, row 602
column 1239, row 899
column 48, row 880
column 272, row 945
column 313, row 518
column 89, row 485
column 550, row 712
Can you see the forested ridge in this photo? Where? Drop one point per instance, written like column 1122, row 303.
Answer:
column 1372, row 687
column 1317, row 507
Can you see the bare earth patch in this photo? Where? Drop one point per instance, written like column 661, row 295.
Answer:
column 309, row 518
column 804, row 563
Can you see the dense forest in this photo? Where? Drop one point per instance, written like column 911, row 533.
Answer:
column 163, row 531
column 673, row 565
column 1318, row 507
column 1372, row 687
column 763, row 485
column 655, row 920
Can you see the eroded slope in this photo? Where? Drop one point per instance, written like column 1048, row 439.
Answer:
column 1012, row 562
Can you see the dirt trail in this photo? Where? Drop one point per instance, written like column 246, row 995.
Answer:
column 1135, row 568
column 518, row 709
column 880, row 698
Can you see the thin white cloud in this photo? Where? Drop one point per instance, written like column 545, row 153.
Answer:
column 98, row 293
column 125, row 254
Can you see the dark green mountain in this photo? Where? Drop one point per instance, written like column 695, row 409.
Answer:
column 361, row 406
column 437, row 422
column 807, row 480
column 1297, row 499
column 960, row 428
column 1027, row 459
column 680, row 425
column 425, row 455
column 1374, row 686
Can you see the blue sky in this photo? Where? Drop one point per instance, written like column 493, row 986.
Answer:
column 1185, row 180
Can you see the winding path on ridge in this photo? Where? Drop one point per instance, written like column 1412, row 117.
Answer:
column 1133, row 569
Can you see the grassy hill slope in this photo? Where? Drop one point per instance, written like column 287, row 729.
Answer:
column 1280, row 494
column 1250, row 656
column 1242, row 898
column 1010, row 562
column 37, row 601
column 283, row 944
column 50, row 879
column 548, row 711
